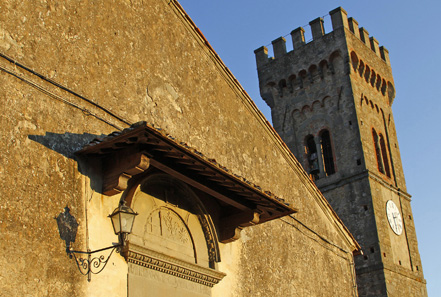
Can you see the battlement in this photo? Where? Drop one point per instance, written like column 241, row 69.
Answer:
column 339, row 20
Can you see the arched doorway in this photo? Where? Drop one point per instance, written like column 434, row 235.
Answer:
column 173, row 245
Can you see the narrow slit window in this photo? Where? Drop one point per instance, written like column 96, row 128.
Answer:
column 378, row 151
column 328, row 156
column 384, row 155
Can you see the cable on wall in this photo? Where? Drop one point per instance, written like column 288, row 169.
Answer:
column 40, row 88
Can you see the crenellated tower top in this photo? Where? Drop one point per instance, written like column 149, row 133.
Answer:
column 347, row 44
column 339, row 20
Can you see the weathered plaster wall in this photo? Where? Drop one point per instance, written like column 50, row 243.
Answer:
column 123, row 57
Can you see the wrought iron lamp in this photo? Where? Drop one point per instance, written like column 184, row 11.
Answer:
column 122, row 219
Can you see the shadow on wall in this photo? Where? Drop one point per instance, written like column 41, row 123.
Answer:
column 68, row 144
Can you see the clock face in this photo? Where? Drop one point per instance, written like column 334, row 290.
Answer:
column 394, row 217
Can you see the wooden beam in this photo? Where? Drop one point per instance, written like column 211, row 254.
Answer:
column 198, row 185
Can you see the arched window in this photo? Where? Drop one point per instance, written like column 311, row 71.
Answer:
column 328, row 156
column 378, row 151
column 311, row 155
column 384, row 155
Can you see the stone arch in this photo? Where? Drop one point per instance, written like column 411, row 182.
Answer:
column 354, row 60
column 298, row 115
column 165, row 202
column 282, row 86
column 383, row 87
column 306, row 109
column 327, row 102
column 373, row 77
column 367, row 73
column 378, row 84
column 303, row 78
column 361, row 68
column 316, row 105
column 390, row 92
column 336, row 61
column 324, row 67
column 313, row 72
column 292, row 82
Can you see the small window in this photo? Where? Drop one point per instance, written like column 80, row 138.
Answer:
column 381, row 153
column 378, row 151
column 328, row 156
column 384, row 155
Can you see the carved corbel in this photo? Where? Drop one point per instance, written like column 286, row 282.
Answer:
column 232, row 225
column 119, row 168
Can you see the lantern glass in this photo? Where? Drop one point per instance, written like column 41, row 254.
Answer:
column 123, row 218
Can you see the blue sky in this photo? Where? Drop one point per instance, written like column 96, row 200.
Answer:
column 408, row 29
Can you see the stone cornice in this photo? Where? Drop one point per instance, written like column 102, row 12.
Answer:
column 358, row 176
column 394, row 269
column 391, row 187
column 157, row 261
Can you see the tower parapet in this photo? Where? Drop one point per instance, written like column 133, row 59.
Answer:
column 298, row 37
column 347, row 48
column 339, row 20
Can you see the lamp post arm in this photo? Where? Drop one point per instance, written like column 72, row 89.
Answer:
column 94, row 265
column 96, row 251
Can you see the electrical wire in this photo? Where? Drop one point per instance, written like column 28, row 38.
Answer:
column 15, row 63
column 349, row 257
column 323, row 239
column 54, row 96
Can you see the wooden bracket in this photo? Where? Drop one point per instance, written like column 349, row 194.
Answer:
column 232, row 225
column 119, row 168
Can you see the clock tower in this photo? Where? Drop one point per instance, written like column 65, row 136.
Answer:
column 331, row 102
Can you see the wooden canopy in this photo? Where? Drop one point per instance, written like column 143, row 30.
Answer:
column 131, row 152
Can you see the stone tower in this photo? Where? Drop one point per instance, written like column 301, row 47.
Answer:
column 331, row 102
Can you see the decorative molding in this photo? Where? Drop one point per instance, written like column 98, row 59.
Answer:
column 210, row 238
column 157, row 261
